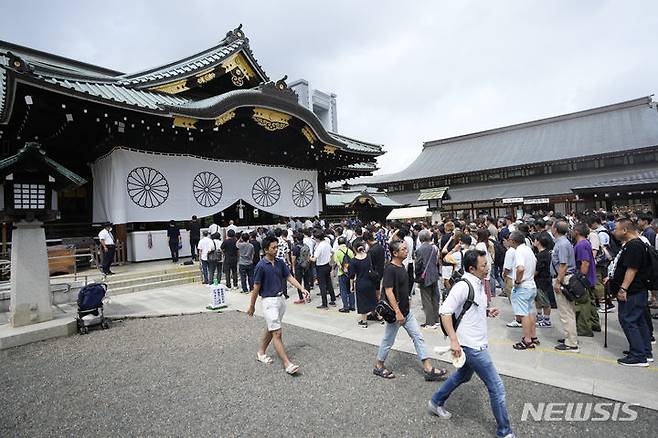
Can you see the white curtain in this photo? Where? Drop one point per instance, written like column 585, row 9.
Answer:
column 134, row 186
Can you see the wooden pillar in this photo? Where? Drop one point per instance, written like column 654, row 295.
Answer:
column 121, row 234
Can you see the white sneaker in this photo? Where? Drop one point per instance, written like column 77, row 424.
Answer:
column 438, row 411
column 514, row 323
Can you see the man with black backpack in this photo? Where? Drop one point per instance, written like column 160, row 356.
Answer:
column 608, row 249
column 468, row 335
column 630, row 279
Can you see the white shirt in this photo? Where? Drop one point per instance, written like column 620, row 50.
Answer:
column 509, row 262
column 322, row 253
column 213, row 228
column 410, row 251
column 604, row 239
column 594, row 240
column 205, row 245
column 472, row 330
column 106, row 236
column 526, row 258
column 308, row 241
column 232, row 227
column 308, row 224
column 481, row 246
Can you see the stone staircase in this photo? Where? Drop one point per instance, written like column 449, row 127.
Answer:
column 65, row 291
column 145, row 280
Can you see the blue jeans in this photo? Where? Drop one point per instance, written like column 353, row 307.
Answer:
column 633, row 322
column 246, row 273
column 204, row 271
column 479, row 362
column 212, row 267
column 498, row 278
column 413, row 330
column 345, row 294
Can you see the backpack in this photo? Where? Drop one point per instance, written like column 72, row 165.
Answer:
column 215, row 255
column 345, row 264
column 610, row 251
column 499, row 253
column 470, row 300
column 652, row 271
column 304, row 256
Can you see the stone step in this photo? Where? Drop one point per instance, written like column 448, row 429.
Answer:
column 154, row 285
column 121, row 276
column 150, row 278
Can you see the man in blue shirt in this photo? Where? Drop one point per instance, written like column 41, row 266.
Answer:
column 270, row 278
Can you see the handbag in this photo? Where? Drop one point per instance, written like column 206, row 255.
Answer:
column 575, row 287
column 385, row 311
column 373, row 275
column 214, row 256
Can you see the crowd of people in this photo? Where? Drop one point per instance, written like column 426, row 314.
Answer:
column 580, row 265
column 529, row 260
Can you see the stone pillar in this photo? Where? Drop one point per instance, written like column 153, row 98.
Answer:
column 30, row 280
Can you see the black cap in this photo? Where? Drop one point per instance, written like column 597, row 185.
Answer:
column 107, row 224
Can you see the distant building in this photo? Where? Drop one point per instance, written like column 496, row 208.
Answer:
column 604, row 157
column 321, row 103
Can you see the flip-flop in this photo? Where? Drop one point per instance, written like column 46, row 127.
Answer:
column 264, row 358
column 292, row 369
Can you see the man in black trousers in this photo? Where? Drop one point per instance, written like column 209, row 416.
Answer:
column 194, row 228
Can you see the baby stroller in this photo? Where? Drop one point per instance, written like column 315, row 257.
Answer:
column 90, row 307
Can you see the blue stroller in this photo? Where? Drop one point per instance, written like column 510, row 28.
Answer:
column 90, row 308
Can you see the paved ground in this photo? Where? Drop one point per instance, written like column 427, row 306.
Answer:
column 196, row 375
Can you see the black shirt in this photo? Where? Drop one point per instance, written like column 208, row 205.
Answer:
column 543, row 278
column 396, row 277
column 444, row 240
column 633, row 255
column 173, row 233
column 230, row 249
column 195, row 230
column 378, row 259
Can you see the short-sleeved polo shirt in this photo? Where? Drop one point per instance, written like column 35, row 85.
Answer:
column 271, row 277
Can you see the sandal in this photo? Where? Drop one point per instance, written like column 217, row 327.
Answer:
column 435, row 374
column 383, row 372
column 535, row 341
column 292, row 369
column 523, row 346
column 264, row 358
column 362, row 324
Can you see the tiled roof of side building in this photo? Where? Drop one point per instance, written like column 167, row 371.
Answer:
column 620, row 127
column 342, row 199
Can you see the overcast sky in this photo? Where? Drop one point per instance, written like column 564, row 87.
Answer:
column 404, row 72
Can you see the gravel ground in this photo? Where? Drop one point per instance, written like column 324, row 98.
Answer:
column 197, row 376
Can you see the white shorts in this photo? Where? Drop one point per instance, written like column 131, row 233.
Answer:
column 273, row 310
column 446, row 272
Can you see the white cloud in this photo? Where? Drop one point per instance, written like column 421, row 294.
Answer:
column 404, row 72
